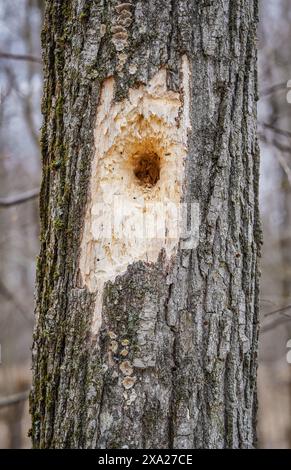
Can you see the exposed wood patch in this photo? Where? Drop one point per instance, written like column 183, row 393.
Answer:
column 137, row 180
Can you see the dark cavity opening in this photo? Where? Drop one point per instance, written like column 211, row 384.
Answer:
column 147, row 169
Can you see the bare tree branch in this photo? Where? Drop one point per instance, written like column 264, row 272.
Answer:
column 11, row 298
column 26, row 57
column 284, row 317
column 284, row 166
column 283, row 132
column 279, row 150
column 14, row 399
column 274, row 324
column 27, row 101
column 273, row 89
column 19, row 198
column 279, row 310
column 275, row 143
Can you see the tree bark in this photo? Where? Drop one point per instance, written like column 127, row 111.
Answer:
column 162, row 354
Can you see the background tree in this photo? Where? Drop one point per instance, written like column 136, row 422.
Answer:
column 274, row 131
column 163, row 354
column 20, row 119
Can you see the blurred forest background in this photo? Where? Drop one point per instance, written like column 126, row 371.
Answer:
column 20, row 168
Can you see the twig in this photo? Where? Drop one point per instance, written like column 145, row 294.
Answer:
column 19, row 198
column 14, row 399
column 275, row 129
column 273, row 89
column 279, row 321
column 11, row 298
column 284, row 166
column 26, row 57
column 275, row 143
column 279, row 310
column 274, row 324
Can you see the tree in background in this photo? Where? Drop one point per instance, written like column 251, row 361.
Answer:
column 20, row 83
column 274, row 127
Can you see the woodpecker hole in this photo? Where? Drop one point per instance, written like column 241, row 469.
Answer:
column 147, row 169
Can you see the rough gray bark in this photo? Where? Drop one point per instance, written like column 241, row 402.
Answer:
column 202, row 314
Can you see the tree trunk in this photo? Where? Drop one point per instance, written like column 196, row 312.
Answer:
column 148, row 342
